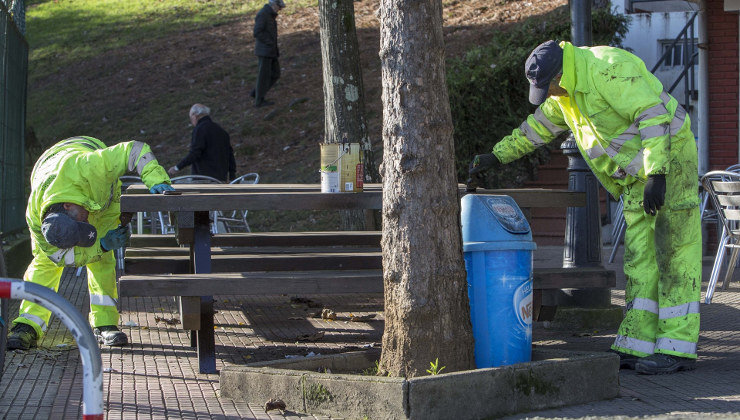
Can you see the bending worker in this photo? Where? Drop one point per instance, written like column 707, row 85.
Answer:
column 636, row 139
column 74, row 217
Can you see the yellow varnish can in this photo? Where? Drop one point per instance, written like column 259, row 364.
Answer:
column 341, row 167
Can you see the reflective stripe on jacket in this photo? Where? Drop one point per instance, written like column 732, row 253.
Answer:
column 625, row 125
column 83, row 171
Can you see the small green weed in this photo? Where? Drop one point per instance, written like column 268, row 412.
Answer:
column 373, row 370
column 434, row 368
column 317, row 394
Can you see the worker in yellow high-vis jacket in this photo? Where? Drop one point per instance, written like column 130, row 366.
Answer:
column 74, row 218
column 636, row 139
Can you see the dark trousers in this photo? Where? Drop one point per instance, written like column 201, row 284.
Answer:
column 269, row 73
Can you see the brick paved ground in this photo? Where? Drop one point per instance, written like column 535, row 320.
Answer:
column 157, row 375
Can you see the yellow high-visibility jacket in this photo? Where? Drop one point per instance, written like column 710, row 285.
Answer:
column 83, row 171
column 625, row 125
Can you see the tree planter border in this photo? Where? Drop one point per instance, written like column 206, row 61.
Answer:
column 554, row 378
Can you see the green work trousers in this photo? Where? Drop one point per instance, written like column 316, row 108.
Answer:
column 101, row 283
column 662, row 265
column 101, row 279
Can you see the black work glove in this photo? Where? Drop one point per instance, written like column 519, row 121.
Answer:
column 654, row 195
column 482, row 163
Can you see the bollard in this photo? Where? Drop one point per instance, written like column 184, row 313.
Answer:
column 582, row 224
column 582, row 229
column 92, row 372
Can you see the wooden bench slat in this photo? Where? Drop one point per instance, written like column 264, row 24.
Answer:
column 322, row 281
column 246, row 196
column 255, row 250
column 254, row 283
column 201, row 202
column 351, row 238
column 573, row 278
column 525, row 197
column 257, row 262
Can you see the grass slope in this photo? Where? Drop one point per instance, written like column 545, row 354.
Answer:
column 131, row 69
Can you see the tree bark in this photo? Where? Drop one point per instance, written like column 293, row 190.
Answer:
column 344, row 104
column 427, row 314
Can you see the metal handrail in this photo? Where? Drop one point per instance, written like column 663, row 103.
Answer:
column 688, row 69
column 92, row 372
column 681, row 34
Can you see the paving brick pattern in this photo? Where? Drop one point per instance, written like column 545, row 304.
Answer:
column 157, row 375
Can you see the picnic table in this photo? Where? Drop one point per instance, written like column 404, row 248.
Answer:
column 328, row 263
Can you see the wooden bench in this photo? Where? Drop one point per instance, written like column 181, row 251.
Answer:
column 288, row 263
column 277, row 262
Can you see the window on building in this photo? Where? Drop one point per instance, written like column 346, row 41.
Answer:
column 678, row 55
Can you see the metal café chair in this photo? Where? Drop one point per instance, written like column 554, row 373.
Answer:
column 618, row 228
column 723, row 189
column 164, row 221
column 137, row 223
column 236, row 221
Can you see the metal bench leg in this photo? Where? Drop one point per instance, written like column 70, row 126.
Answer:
column 206, row 337
column 201, row 251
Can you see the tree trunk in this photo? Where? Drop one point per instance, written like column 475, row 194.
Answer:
column 344, row 104
column 427, row 314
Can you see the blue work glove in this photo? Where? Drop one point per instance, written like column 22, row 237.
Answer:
column 160, row 188
column 654, row 195
column 115, row 239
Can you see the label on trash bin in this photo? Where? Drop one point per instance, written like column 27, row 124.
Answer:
column 507, row 213
column 523, row 304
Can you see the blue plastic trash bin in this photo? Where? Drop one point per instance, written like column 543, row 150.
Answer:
column 498, row 247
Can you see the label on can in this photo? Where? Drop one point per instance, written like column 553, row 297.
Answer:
column 523, row 304
column 359, row 175
column 329, row 182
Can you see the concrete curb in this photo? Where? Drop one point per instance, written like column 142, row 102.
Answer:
column 554, row 378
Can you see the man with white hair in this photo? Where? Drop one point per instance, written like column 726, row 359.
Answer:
column 210, row 148
column 266, row 49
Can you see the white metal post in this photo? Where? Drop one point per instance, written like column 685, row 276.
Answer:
column 92, row 372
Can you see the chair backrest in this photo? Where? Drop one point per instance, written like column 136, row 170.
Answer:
column 195, row 179
column 724, row 189
column 733, row 168
column 250, row 178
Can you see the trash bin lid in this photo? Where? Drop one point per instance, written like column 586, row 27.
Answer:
column 493, row 218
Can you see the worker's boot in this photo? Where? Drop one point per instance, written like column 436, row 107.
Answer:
column 626, row 361
column 110, row 335
column 660, row 363
column 22, row 337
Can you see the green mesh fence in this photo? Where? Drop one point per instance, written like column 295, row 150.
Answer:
column 13, row 76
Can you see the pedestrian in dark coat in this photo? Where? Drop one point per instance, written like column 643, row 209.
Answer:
column 210, row 148
column 266, row 49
